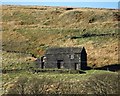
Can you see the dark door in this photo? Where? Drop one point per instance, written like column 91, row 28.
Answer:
column 42, row 65
column 59, row 64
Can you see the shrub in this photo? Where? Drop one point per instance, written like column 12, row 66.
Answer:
column 103, row 84
column 17, row 87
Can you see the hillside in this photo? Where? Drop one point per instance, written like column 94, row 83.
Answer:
column 33, row 29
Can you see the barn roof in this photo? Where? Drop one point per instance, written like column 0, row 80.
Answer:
column 64, row 50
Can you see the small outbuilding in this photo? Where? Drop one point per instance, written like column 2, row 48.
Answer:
column 65, row 58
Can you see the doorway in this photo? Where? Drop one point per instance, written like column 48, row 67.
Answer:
column 60, row 64
column 42, row 65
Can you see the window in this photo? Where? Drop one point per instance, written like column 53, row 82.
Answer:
column 44, row 59
column 72, row 56
column 76, row 66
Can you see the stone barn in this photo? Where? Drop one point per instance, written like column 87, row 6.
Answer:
column 65, row 58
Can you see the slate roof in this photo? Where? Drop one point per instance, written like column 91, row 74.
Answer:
column 63, row 50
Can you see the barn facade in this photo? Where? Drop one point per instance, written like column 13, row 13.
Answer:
column 65, row 58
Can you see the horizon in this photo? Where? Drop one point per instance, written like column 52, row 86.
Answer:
column 106, row 5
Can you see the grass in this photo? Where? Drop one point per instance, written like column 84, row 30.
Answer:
column 16, row 61
column 7, row 77
column 24, row 28
column 55, row 76
column 34, row 29
column 1, row 90
column 63, row 81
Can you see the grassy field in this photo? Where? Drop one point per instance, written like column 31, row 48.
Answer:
column 34, row 29
column 31, row 30
column 16, row 61
column 25, row 82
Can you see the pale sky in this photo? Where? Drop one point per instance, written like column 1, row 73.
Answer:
column 71, row 3
column 59, row 0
